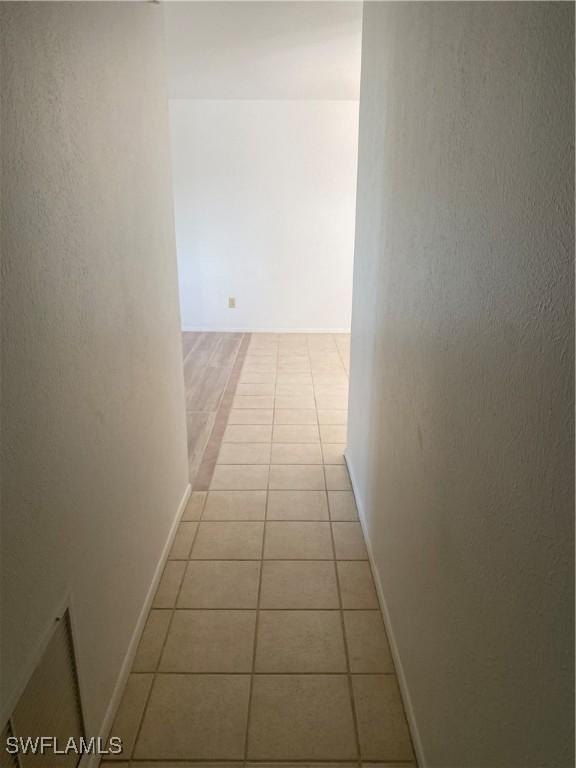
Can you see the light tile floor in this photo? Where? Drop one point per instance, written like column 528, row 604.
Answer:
column 265, row 642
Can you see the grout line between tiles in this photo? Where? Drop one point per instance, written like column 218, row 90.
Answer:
column 341, row 612
column 257, row 622
column 172, row 614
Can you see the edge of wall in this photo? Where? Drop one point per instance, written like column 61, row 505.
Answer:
column 406, row 698
column 206, row 329
column 92, row 760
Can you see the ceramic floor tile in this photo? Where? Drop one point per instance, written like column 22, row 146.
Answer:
column 293, row 585
column 285, row 377
column 200, row 717
column 349, row 541
column 286, row 358
column 368, row 648
column 293, row 358
column 296, row 478
column 356, row 585
column 182, row 543
column 200, row 641
column 260, row 346
column 327, row 368
column 244, row 453
column 301, row 717
column 293, row 355
column 300, row 641
column 256, row 388
column 303, row 368
column 331, row 402
column 333, row 382
column 337, row 478
column 296, row 453
column 342, row 506
column 220, row 584
column 152, row 640
column 235, row 505
column 130, row 711
column 297, row 540
column 280, row 490
column 262, row 359
column 264, row 356
column 253, row 401
column 297, row 505
column 295, row 416
column 193, row 510
column 247, row 433
column 333, row 453
column 338, row 417
column 252, row 376
column 286, row 402
column 294, row 389
column 259, row 365
column 169, row 584
column 295, row 433
column 228, row 541
column 253, row 416
column 333, row 433
column 382, row 726
column 239, row 477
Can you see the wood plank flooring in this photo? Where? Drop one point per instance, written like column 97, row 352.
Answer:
column 208, row 362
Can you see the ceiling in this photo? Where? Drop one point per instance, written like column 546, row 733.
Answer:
column 263, row 50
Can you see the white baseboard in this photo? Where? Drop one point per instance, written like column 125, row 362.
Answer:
column 206, row 329
column 91, row 761
column 416, row 741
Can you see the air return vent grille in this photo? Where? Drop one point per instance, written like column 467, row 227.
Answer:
column 50, row 703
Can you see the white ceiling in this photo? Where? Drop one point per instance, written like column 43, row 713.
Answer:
column 263, row 50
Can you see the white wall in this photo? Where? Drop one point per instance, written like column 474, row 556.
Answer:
column 225, row 49
column 94, row 463
column 461, row 392
column 264, row 203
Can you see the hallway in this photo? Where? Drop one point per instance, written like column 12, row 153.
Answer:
column 224, row 544
column 265, row 642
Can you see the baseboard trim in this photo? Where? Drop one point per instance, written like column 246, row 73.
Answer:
column 91, row 761
column 409, row 709
column 206, row 329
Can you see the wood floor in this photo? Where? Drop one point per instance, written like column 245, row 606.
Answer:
column 208, row 362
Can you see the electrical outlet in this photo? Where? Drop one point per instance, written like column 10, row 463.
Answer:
column 231, row 302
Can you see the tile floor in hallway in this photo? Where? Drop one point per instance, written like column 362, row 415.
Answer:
column 265, row 643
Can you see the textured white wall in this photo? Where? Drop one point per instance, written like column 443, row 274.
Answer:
column 461, row 421
column 264, row 202
column 94, row 464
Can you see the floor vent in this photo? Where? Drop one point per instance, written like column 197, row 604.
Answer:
column 50, row 704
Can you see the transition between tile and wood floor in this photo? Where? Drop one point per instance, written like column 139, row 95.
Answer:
column 265, row 643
